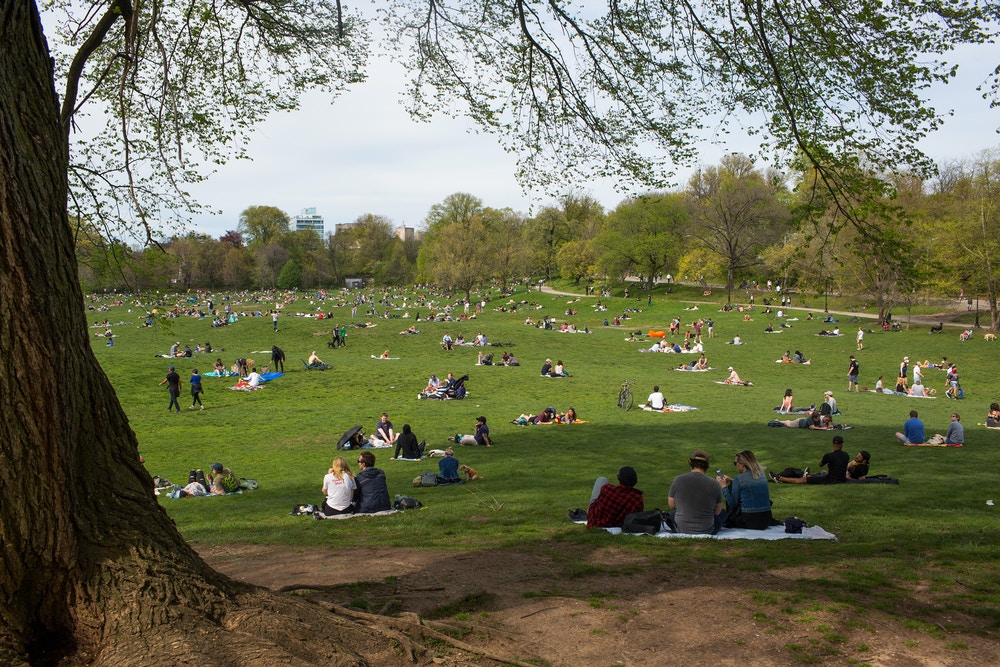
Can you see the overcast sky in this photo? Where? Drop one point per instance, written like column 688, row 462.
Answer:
column 363, row 154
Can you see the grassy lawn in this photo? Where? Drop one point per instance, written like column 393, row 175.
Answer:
column 934, row 529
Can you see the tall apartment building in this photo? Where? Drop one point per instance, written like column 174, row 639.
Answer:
column 310, row 220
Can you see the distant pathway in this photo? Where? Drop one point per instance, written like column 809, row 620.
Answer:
column 921, row 320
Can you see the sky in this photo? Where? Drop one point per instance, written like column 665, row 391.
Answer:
column 363, row 154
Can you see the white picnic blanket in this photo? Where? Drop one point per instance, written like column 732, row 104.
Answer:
column 772, row 533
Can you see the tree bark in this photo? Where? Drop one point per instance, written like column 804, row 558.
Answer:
column 92, row 568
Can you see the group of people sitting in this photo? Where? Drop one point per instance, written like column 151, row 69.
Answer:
column 219, row 481
column 796, row 358
column 548, row 416
column 557, row 371
column 445, row 390
column 913, row 431
column 699, row 364
column 701, row 505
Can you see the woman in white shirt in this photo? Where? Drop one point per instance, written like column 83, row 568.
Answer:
column 338, row 487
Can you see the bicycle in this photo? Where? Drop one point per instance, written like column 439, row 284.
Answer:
column 625, row 398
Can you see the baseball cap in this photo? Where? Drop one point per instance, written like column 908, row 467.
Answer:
column 216, row 467
column 170, row 368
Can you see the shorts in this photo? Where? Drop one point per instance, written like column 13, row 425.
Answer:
column 852, row 378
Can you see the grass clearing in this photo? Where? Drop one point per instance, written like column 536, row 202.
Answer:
column 935, row 526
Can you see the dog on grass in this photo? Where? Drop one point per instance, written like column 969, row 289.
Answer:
column 470, row 473
column 989, row 337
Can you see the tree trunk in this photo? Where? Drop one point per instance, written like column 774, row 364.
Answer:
column 92, row 566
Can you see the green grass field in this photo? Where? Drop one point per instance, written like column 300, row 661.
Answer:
column 935, row 528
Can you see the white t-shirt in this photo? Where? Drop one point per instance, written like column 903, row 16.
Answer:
column 656, row 400
column 339, row 492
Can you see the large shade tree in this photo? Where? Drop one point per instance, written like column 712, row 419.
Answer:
column 99, row 569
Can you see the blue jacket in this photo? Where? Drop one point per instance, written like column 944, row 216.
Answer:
column 752, row 495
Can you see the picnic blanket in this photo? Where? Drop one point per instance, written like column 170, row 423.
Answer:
column 772, row 533
column 874, row 479
column 795, row 411
column 217, row 374
column 676, row 407
column 324, row 517
column 695, row 370
column 797, row 363
column 930, row 444
column 890, row 392
column 744, row 383
column 386, row 358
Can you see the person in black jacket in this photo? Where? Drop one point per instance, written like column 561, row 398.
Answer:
column 278, row 358
column 372, row 492
column 407, row 443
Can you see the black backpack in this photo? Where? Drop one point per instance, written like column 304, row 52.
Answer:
column 649, row 522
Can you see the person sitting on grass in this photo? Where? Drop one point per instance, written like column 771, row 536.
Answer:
column 913, row 431
column 857, row 469
column 221, row 480
column 315, row 361
column 748, row 500
column 448, row 468
column 481, row 437
column 609, row 504
column 786, row 402
column 656, row 400
column 372, row 494
column 406, row 443
column 993, row 417
column 338, row 487
column 956, row 432
column 695, row 499
column 836, row 463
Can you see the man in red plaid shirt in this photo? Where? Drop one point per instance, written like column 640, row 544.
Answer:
column 609, row 503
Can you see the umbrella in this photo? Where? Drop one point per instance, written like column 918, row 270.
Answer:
column 351, row 437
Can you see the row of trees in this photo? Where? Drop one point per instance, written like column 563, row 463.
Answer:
column 731, row 223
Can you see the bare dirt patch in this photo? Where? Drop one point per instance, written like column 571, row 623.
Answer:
column 610, row 608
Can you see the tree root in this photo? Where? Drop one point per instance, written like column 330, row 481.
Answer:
column 420, row 630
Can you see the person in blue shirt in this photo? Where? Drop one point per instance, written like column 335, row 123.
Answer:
column 748, row 500
column 448, row 468
column 913, row 431
column 196, row 389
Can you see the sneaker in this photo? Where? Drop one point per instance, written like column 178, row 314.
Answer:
column 805, row 473
column 191, row 408
column 203, row 407
column 774, row 478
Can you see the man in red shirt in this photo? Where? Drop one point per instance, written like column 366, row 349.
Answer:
column 609, row 503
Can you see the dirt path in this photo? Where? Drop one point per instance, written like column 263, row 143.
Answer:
column 609, row 607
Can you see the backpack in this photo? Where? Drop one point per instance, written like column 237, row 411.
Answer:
column 794, row 524
column 230, row 483
column 428, row 479
column 407, row 503
column 648, row 522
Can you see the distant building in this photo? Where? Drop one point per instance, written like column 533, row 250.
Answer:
column 309, row 220
column 405, row 234
column 344, row 227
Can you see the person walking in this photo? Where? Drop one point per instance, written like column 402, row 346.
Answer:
column 852, row 375
column 173, row 382
column 274, row 318
column 861, row 338
column 196, row 389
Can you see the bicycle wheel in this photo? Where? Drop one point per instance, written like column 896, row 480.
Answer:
column 625, row 403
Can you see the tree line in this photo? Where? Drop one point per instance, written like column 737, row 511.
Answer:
column 732, row 223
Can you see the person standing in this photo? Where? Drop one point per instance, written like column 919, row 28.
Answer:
column 173, row 382
column 913, row 431
column 343, row 335
column 278, row 358
column 609, row 503
column 861, row 338
column 196, row 389
column 274, row 319
column 852, row 374
column 695, row 499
